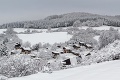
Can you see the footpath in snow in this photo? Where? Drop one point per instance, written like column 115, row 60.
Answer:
column 102, row 71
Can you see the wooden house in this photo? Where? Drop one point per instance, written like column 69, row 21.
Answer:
column 20, row 50
column 25, row 50
column 67, row 50
column 17, row 46
column 69, row 59
column 75, row 52
column 57, row 52
column 76, row 46
column 88, row 46
column 82, row 43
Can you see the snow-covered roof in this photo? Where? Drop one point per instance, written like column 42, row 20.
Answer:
column 58, row 50
column 55, row 52
column 26, row 48
column 88, row 45
column 68, row 47
column 75, row 51
column 82, row 42
column 77, row 44
column 68, row 55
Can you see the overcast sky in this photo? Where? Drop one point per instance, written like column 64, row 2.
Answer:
column 21, row 10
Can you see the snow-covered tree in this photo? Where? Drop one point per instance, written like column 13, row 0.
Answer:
column 108, row 37
column 3, row 49
column 77, row 23
column 26, row 44
column 10, row 31
column 37, row 46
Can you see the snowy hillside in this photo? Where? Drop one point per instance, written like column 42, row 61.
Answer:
column 113, row 48
column 102, row 71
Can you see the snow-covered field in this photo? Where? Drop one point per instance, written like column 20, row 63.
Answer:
column 51, row 38
column 99, row 28
column 44, row 30
column 102, row 71
column 2, row 30
column 22, row 30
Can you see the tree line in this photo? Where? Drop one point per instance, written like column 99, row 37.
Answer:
column 65, row 20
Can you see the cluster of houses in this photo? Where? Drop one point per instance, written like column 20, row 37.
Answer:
column 18, row 49
column 69, row 55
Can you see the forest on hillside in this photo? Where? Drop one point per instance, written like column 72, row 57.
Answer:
column 65, row 20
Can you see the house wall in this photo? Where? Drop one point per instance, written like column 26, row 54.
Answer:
column 73, row 61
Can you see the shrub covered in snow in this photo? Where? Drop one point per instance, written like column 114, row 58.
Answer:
column 108, row 53
column 20, row 65
column 26, row 44
column 3, row 77
column 108, row 37
column 85, row 36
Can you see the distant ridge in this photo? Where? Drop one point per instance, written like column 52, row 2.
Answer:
column 65, row 20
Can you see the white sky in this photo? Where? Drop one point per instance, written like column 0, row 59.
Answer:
column 20, row 10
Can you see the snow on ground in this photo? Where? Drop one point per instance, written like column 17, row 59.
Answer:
column 44, row 30
column 102, row 28
column 2, row 30
column 22, row 30
column 51, row 38
column 96, row 38
column 102, row 71
column 98, row 28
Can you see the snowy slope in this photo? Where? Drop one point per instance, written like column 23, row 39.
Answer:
column 51, row 38
column 102, row 71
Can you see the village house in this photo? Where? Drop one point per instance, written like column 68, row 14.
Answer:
column 88, row 46
column 76, row 52
column 20, row 50
column 82, row 43
column 66, row 59
column 57, row 52
column 71, row 55
column 26, row 50
column 69, row 59
column 67, row 49
column 66, row 56
column 76, row 46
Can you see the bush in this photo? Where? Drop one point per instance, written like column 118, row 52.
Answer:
column 20, row 65
column 26, row 44
column 108, row 37
column 3, row 77
column 85, row 36
column 37, row 46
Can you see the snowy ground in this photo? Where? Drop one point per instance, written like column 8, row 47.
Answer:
column 51, row 38
column 99, row 28
column 44, row 30
column 2, row 30
column 97, row 38
column 101, row 71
